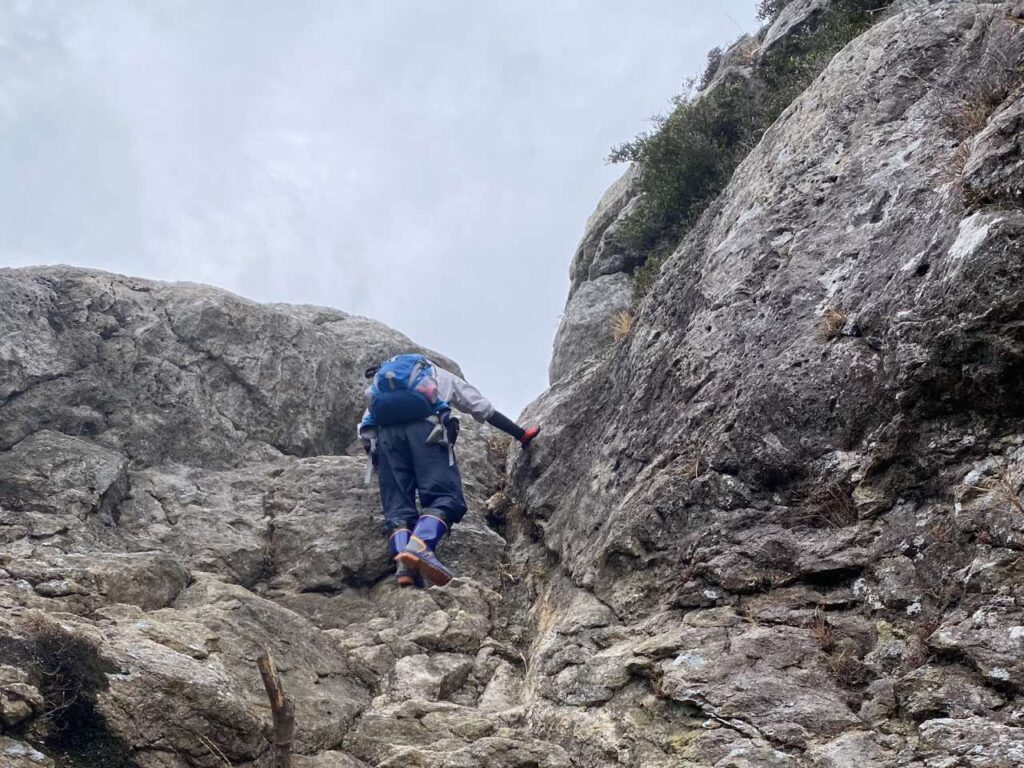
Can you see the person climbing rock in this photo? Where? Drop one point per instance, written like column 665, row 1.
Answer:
column 409, row 432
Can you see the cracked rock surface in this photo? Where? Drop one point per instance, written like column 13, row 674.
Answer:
column 178, row 492
column 779, row 523
column 795, row 484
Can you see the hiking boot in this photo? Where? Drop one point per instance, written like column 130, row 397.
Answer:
column 406, row 576
column 419, row 555
column 528, row 435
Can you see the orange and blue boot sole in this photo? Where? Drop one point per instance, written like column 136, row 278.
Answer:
column 418, row 553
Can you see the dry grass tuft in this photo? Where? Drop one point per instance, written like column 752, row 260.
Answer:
column 693, row 464
column 827, row 506
column 847, row 669
column 497, row 447
column 214, row 750
column 821, row 631
column 843, row 664
column 1006, row 489
column 943, row 531
column 622, row 324
column 831, row 324
column 953, row 173
column 748, row 612
column 969, row 109
column 975, row 112
column 68, row 665
column 917, row 644
column 941, row 567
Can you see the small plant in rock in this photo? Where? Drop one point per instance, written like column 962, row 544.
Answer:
column 769, row 10
column 622, row 324
column 968, row 107
column 974, row 115
column 828, row 505
column 691, row 154
column 847, row 669
column 835, row 505
column 1005, row 488
column 497, row 445
column 831, row 324
column 500, row 511
column 647, row 274
column 942, row 531
column 714, row 62
column 70, row 672
column 953, row 173
column 821, row 631
column 917, row 644
column 941, row 581
column 65, row 664
column 748, row 610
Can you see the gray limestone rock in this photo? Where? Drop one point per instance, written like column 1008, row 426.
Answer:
column 793, row 17
column 59, row 475
column 992, row 637
column 17, row 754
column 586, row 325
column 778, row 524
column 994, row 172
column 173, row 482
column 597, row 253
column 974, row 742
column 732, row 451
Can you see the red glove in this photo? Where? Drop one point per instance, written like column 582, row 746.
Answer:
column 528, row 435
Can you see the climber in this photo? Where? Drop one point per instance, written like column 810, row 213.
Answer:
column 409, row 433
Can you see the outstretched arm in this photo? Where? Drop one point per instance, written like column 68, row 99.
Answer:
column 509, row 427
column 465, row 397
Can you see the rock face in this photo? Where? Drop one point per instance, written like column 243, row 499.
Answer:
column 586, row 326
column 603, row 269
column 602, row 285
column 778, row 524
column 175, row 496
column 791, row 18
column 795, row 485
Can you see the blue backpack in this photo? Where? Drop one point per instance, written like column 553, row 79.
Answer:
column 404, row 389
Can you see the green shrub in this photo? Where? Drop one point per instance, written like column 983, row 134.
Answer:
column 711, row 69
column 646, row 275
column 790, row 69
column 687, row 162
column 769, row 10
column 690, row 156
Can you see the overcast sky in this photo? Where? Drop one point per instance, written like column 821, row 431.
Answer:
column 428, row 163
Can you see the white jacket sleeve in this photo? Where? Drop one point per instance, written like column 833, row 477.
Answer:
column 462, row 395
column 363, row 431
column 367, row 428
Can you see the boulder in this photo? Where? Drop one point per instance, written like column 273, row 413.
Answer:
column 586, row 325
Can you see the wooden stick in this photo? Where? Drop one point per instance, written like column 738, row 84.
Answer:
column 281, row 708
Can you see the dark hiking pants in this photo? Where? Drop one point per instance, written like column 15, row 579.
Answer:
column 407, row 464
